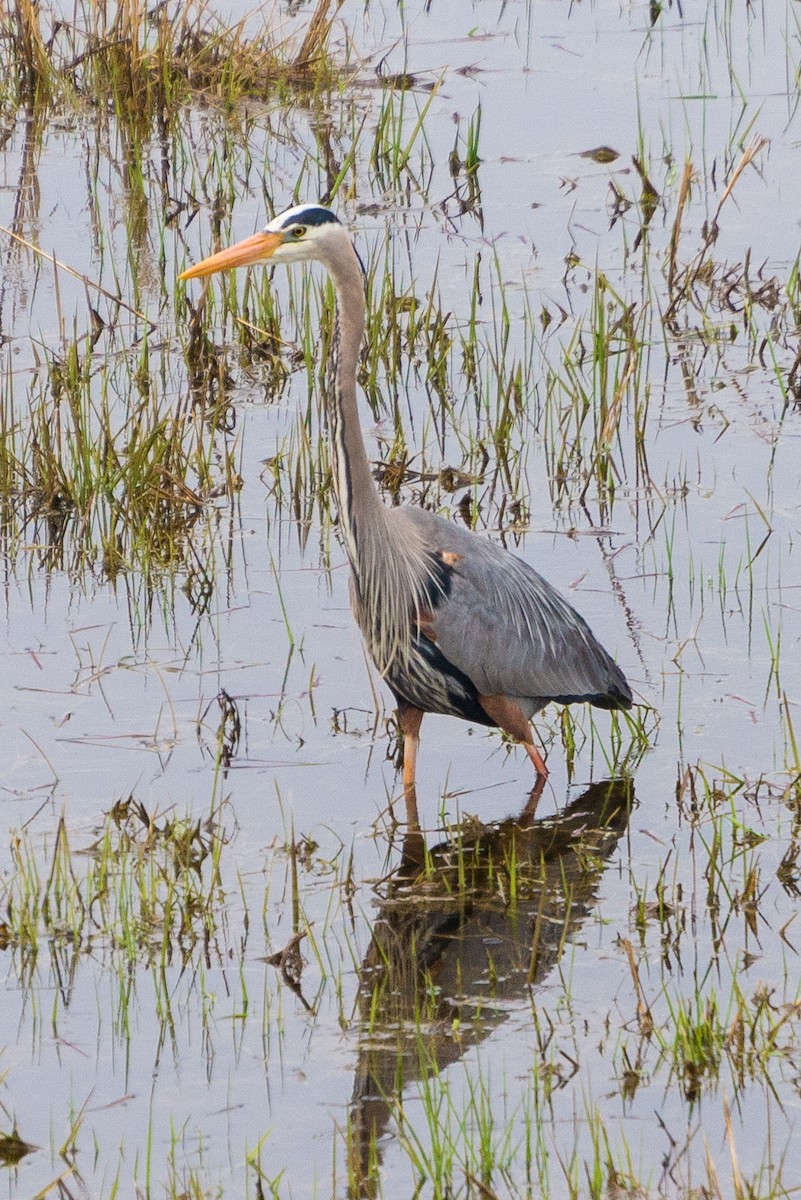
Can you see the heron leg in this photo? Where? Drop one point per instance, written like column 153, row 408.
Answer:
column 409, row 720
column 508, row 715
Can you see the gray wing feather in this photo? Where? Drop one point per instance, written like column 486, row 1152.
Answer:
column 507, row 628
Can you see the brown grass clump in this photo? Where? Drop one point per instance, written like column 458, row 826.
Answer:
column 147, row 59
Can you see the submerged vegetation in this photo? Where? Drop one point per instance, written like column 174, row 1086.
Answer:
column 227, row 973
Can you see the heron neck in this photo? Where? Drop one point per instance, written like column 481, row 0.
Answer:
column 357, row 497
column 389, row 576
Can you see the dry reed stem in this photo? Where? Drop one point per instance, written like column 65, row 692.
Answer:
column 754, row 147
column 58, row 1182
column 684, row 193
column 35, row 52
column 643, row 1012
column 737, row 1179
column 56, row 262
column 313, row 44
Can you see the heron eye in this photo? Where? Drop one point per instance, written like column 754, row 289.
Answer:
column 299, row 231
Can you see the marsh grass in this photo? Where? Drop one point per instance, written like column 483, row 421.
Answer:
column 148, row 62
column 146, row 886
column 734, row 847
column 106, row 472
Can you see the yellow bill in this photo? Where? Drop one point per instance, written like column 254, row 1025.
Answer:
column 252, row 250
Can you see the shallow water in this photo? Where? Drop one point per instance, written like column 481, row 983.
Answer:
column 173, row 1065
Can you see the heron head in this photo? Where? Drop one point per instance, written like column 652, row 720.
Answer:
column 307, row 231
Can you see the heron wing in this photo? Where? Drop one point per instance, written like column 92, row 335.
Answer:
column 507, row 629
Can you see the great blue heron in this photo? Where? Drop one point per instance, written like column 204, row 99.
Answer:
column 454, row 623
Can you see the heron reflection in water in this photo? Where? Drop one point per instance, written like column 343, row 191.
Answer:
column 452, row 955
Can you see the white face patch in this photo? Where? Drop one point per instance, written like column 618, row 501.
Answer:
column 302, row 213
column 277, row 223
